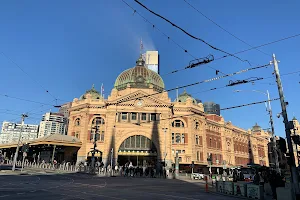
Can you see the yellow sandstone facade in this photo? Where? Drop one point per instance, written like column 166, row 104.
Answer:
column 139, row 122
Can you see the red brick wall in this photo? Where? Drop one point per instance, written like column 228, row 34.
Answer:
column 215, row 142
column 214, row 117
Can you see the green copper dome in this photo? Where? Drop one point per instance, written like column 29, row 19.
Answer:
column 139, row 77
column 256, row 128
column 94, row 93
column 184, row 96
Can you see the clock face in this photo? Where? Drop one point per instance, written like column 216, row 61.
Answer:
column 139, row 103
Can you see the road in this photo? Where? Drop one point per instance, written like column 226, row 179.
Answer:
column 81, row 186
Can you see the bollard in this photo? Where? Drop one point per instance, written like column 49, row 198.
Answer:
column 206, row 184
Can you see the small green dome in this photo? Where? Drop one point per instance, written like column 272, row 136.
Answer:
column 139, row 77
column 256, row 128
column 184, row 96
column 94, row 93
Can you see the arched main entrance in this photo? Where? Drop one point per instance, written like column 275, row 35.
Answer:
column 137, row 149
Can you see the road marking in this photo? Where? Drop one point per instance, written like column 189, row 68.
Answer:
column 91, row 194
column 89, row 185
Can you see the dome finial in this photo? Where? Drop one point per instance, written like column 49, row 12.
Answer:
column 93, row 86
column 140, row 61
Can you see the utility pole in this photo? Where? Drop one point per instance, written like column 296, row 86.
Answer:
column 23, row 116
column 273, row 133
column 165, row 153
column 294, row 173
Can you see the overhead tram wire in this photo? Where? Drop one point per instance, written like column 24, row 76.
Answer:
column 180, row 87
column 170, row 39
column 218, row 25
column 190, row 35
column 21, row 99
column 16, row 64
column 253, row 48
column 193, row 84
column 155, row 27
column 251, row 81
column 262, row 45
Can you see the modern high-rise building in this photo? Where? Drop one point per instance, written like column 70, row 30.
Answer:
column 52, row 123
column 64, row 109
column 151, row 59
column 10, row 132
column 211, row 108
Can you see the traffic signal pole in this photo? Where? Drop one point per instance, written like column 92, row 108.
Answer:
column 273, row 133
column 294, row 173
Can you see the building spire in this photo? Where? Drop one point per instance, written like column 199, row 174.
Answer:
column 141, row 47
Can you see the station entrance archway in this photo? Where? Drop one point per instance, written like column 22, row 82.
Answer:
column 139, row 150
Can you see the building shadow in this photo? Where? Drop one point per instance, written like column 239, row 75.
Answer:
column 155, row 138
column 112, row 154
column 251, row 156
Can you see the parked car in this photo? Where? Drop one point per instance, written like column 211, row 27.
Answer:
column 197, row 176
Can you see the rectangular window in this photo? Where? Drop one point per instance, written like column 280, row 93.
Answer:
column 198, row 156
column 124, row 116
column 178, row 138
column 182, row 138
column 197, row 139
column 102, row 136
column 133, row 116
column 173, row 138
column 144, row 116
column 153, row 117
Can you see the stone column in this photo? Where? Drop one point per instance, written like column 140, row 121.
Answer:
column 119, row 117
column 128, row 117
column 138, row 118
column 157, row 117
column 148, row 117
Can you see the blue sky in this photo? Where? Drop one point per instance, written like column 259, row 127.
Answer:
column 66, row 46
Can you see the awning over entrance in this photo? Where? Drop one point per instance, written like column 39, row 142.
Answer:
column 59, row 140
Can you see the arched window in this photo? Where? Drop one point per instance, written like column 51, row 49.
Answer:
column 138, row 142
column 197, row 139
column 97, row 129
column 77, row 122
column 197, row 125
column 98, row 121
column 177, row 123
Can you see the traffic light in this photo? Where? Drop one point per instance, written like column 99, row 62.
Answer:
column 282, row 145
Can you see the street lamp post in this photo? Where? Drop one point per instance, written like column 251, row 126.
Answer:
column 23, row 116
column 269, row 110
column 165, row 153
